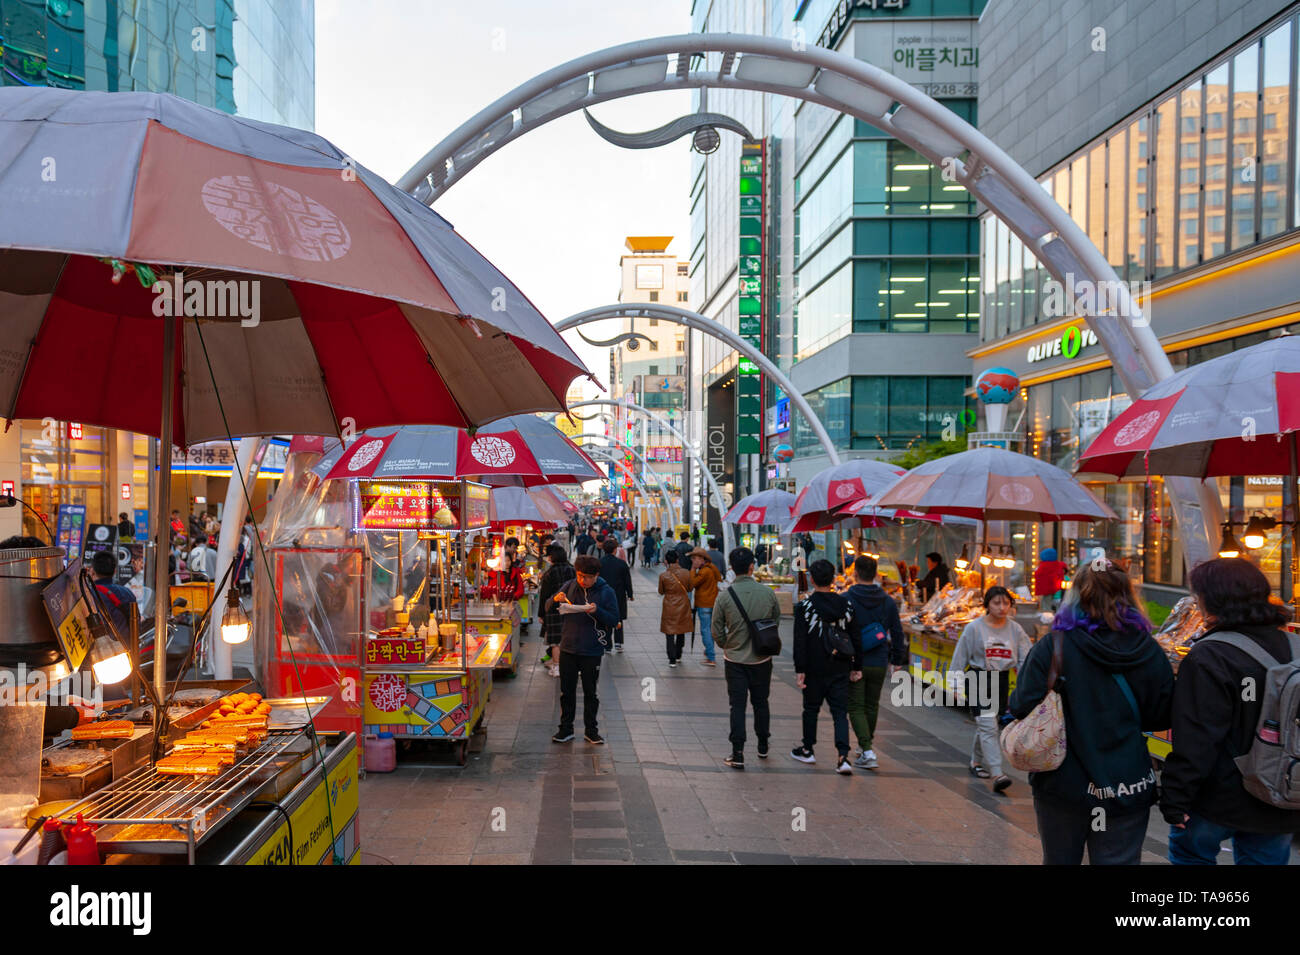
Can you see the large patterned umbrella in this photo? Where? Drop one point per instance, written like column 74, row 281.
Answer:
column 313, row 292
column 518, row 505
column 772, row 506
column 991, row 484
column 1225, row 416
column 520, row 450
column 837, row 486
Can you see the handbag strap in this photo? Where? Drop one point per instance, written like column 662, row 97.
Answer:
column 1128, row 695
column 1058, row 659
column 749, row 624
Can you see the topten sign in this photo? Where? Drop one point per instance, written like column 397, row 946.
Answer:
column 1072, row 341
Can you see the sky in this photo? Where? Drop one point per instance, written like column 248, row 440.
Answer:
column 550, row 210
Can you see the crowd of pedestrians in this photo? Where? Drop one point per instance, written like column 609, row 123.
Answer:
column 1231, row 708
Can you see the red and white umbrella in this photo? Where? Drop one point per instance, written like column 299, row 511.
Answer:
column 518, row 505
column 521, row 450
column 772, row 506
column 837, row 486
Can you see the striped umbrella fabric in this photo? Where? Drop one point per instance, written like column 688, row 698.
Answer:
column 1225, row 416
column 991, row 484
column 308, row 296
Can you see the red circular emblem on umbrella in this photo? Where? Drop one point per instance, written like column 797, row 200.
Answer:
column 753, row 516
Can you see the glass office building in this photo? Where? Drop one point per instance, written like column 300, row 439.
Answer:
column 871, row 289
column 1193, row 195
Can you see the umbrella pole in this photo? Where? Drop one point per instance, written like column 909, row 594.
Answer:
column 162, row 594
column 1288, row 577
column 979, row 550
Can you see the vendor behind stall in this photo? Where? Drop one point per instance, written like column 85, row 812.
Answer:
column 937, row 576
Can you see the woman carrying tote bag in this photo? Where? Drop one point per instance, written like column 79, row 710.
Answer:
column 1115, row 683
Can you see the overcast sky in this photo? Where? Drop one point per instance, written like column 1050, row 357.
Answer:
column 393, row 77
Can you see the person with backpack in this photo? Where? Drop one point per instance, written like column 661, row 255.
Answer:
column 1115, row 683
column 827, row 659
column 991, row 646
column 586, row 636
column 883, row 643
column 557, row 575
column 747, row 659
column 675, row 617
column 1235, row 735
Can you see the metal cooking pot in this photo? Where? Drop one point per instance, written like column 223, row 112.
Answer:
column 24, row 573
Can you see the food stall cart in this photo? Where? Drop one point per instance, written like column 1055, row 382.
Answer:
column 427, row 673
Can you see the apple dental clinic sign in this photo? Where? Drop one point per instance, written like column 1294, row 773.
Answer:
column 1072, row 340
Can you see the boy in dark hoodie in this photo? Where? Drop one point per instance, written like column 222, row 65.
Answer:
column 882, row 645
column 820, row 672
column 587, row 635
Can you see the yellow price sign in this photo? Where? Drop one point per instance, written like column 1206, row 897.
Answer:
column 75, row 636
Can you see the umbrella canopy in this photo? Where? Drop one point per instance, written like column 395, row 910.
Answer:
column 312, row 291
column 502, row 456
column 839, row 485
column 1224, row 416
column 994, row 485
column 870, row 514
column 518, row 505
column 766, row 507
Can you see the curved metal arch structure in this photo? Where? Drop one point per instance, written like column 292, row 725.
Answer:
column 715, row 329
column 668, row 510
column 719, row 501
column 608, row 454
column 847, row 85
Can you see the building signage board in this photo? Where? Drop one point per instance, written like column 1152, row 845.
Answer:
column 938, row 57
column 1072, row 340
column 842, row 13
column 751, row 270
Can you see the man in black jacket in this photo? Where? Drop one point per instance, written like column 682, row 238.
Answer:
column 821, row 674
column 882, row 644
column 1217, row 702
column 583, row 642
column 584, row 544
column 618, row 575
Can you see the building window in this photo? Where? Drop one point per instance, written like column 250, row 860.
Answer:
column 886, row 412
column 654, row 296
column 654, row 322
column 681, row 296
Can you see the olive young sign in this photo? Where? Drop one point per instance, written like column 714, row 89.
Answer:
column 1072, row 340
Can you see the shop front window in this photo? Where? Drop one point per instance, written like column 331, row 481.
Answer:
column 63, row 463
column 1164, row 545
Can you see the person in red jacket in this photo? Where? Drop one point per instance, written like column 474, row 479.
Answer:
column 507, row 582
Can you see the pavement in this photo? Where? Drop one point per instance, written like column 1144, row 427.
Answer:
column 658, row 791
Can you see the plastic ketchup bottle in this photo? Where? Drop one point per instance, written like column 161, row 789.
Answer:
column 82, row 847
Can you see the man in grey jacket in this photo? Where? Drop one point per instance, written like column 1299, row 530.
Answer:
column 749, row 676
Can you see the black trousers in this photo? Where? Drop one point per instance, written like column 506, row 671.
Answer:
column 832, row 688
column 618, row 634
column 1065, row 830
column 571, row 667
column 752, row 681
column 674, row 642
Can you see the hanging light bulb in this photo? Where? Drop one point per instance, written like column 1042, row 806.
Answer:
column 964, row 560
column 985, row 559
column 1256, row 531
column 108, row 658
column 234, row 622
column 1228, row 546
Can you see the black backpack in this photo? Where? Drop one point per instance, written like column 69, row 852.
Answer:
column 835, row 638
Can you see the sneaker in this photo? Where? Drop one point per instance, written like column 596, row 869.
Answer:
column 866, row 760
column 762, row 749
column 710, row 663
column 555, row 669
column 618, row 648
column 594, row 738
column 1001, row 783
column 842, row 766
column 803, row 754
column 735, row 760
column 562, row 737
column 672, row 663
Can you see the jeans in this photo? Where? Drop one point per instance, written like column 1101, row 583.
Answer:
column 833, row 688
column 752, row 680
column 705, row 615
column 571, row 667
column 1198, row 844
column 674, row 643
column 864, row 704
column 1064, row 830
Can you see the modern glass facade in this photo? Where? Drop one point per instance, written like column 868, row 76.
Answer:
column 886, row 412
column 1206, row 171
column 255, row 58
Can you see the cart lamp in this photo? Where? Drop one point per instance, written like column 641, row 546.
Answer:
column 985, row 559
column 234, row 622
column 1256, row 530
column 1228, row 547
column 964, row 560
column 108, row 658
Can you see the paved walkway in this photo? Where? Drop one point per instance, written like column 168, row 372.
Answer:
column 658, row 791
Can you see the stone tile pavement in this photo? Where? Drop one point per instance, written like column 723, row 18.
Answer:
column 658, row 792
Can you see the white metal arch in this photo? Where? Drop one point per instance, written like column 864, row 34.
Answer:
column 847, row 85
column 719, row 501
column 715, row 329
column 668, row 510
column 609, row 455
